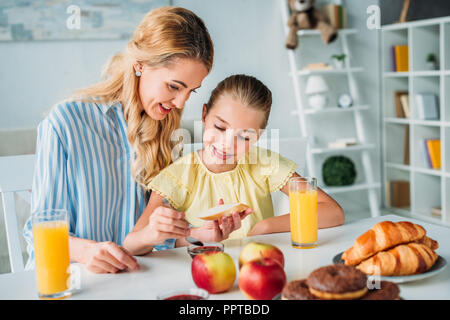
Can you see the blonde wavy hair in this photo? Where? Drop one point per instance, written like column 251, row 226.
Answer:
column 164, row 34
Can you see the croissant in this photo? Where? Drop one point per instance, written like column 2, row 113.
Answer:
column 432, row 244
column 401, row 260
column 382, row 236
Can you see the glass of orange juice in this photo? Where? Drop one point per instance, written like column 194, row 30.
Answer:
column 51, row 253
column 303, row 212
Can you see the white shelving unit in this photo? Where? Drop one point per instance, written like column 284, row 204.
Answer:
column 328, row 72
column 307, row 117
column 428, row 187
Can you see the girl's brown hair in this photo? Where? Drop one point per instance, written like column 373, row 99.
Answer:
column 163, row 35
column 246, row 89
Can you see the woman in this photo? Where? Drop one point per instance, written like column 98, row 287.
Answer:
column 97, row 152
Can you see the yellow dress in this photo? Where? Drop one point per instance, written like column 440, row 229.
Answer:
column 191, row 188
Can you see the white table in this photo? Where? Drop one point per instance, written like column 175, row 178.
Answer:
column 166, row 270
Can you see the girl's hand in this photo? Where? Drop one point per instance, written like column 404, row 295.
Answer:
column 219, row 230
column 108, row 257
column 165, row 223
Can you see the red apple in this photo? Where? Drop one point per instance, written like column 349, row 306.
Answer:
column 261, row 279
column 213, row 271
column 257, row 250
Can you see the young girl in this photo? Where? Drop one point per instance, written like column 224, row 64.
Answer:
column 228, row 167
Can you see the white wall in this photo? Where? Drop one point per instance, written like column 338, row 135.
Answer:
column 36, row 75
column 248, row 38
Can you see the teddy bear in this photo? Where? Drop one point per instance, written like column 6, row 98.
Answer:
column 305, row 16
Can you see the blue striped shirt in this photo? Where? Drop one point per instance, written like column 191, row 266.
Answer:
column 83, row 165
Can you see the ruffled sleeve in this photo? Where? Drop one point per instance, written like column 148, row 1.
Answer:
column 281, row 174
column 168, row 186
column 173, row 182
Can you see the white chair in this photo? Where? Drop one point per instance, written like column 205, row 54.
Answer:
column 291, row 148
column 16, row 176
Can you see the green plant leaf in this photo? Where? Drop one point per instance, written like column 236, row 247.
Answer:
column 338, row 171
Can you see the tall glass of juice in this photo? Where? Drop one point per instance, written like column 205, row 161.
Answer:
column 51, row 253
column 303, row 212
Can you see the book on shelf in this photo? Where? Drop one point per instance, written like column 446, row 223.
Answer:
column 425, row 153
column 393, row 65
column 406, row 147
column 336, row 15
column 399, row 58
column 318, row 66
column 427, row 106
column 432, row 152
column 401, row 100
column 342, row 143
column 404, row 101
column 398, row 193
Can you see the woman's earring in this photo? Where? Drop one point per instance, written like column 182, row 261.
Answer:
column 138, row 73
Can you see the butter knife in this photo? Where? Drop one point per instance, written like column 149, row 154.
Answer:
column 188, row 239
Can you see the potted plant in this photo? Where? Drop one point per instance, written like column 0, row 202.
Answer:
column 432, row 63
column 338, row 171
column 339, row 60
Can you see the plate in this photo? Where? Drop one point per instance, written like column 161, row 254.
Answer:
column 438, row 267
